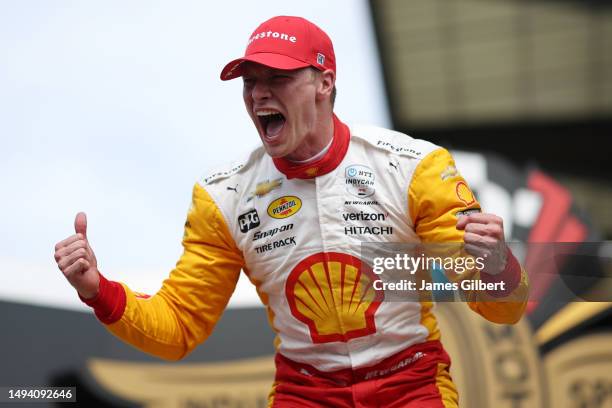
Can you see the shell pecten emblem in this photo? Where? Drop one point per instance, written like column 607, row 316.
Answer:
column 333, row 295
column 284, row 207
column 464, row 193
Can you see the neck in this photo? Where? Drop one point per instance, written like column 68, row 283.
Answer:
column 328, row 161
column 316, row 156
column 317, row 141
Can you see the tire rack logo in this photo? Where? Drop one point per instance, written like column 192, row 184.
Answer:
column 359, row 180
column 329, row 287
column 248, row 220
column 284, row 207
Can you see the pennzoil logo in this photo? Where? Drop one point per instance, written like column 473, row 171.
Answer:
column 284, row 207
column 333, row 295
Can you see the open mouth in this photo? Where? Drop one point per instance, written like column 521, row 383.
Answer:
column 272, row 122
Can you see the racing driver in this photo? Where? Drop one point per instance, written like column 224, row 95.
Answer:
column 293, row 220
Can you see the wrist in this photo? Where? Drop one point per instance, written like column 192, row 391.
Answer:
column 510, row 275
column 89, row 295
column 110, row 301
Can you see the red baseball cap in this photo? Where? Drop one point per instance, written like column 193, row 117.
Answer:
column 285, row 42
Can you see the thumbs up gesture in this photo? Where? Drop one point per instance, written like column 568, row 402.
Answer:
column 77, row 261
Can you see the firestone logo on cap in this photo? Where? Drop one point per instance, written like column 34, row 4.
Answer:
column 273, row 34
column 288, row 43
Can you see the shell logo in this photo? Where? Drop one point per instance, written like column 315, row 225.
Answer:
column 311, row 172
column 464, row 193
column 333, row 295
column 284, row 207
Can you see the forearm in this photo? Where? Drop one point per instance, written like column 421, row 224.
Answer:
column 504, row 306
column 169, row 324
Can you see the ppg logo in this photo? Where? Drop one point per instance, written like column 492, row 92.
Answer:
column 248, row 220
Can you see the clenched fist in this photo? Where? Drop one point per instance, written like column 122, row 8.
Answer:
column 77, row 261
column 484, row 237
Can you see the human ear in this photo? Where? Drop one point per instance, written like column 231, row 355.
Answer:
column 326, row 82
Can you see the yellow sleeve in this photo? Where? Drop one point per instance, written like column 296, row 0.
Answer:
column 183, row 313
column 437, row 193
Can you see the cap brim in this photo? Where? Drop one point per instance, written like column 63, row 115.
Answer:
column 234, row 68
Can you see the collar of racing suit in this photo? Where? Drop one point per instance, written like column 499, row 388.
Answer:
column 325, row 164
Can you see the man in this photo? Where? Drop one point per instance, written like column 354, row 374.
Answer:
column 293, row 216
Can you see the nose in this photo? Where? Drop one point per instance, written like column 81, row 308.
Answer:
column 260, row 91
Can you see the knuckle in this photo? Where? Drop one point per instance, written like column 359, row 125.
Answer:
column 494, row 230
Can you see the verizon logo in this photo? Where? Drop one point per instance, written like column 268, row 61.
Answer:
column 363, row 216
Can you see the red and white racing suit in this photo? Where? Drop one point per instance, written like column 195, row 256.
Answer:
column 296, row 230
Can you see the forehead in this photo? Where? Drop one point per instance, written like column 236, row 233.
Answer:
column 254, row 69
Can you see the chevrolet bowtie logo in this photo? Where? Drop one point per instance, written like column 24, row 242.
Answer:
column 263, row 188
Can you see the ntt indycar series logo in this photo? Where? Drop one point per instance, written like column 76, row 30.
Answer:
column 359, row 180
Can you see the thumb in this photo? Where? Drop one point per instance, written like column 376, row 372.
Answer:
column 80, row 224
column 463, row 221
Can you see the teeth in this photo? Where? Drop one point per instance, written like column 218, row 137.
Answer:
column 266, row 112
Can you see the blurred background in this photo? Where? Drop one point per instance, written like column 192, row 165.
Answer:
column 116, row 108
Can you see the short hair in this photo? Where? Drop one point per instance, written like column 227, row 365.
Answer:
column 333, row 96
column 333, row 93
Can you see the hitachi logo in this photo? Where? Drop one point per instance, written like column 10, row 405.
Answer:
column 363, row 216
column 358, row 230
